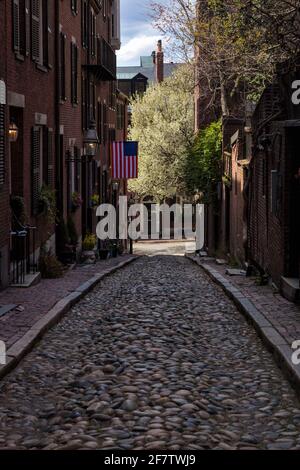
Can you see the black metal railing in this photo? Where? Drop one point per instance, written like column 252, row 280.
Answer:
column 23, row 256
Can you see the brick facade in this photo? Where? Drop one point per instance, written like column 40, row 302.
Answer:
column 4, row 180
column 59, row 65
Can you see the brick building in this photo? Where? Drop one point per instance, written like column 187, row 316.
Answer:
column 274, row 189
column 57, row 89
column 4, row 181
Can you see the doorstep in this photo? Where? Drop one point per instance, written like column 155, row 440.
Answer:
column 290, row 288
column 30, row 280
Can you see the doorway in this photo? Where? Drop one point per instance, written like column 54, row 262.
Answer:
column 293, row 180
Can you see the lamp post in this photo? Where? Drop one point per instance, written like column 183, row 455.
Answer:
column 91, row 140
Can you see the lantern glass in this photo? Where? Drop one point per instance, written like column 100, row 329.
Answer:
column 13, row 132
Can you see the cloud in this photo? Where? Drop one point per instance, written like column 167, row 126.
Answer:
column 138, row 35
column 139, row 45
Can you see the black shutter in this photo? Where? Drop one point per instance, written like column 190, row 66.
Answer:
column 2, row 144
column 49, row 39
column 74, row 73
column 50, row 159
column 35, row 30
column 16, row 25
column 35, row 168
column 62, row 66
column 74, row 6
column 27, row 27
column 77, row 170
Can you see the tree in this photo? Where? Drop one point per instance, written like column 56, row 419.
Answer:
column 237, row 43
column 205, row 162
column 162, row 122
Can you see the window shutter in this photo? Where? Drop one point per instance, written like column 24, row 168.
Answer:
column 2, row 144
column 77, row 170
column 35, row 30
column 35, row 166
column 62, row 66
column 74, row 73
column 49, row 40
column 50, row 176
column 16, row 25
column 27, row 27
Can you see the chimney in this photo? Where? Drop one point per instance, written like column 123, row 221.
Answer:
column 159, row 63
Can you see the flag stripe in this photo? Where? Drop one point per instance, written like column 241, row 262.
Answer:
column 124, row 160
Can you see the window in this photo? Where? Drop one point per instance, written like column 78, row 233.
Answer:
column 74, row 73
column 74, row 7
column 93, row 35
column 84, row 21
column 62, row 67
column 20, row 22
column 100, row 122
column 112, row 95
column 92, row 102
column 120, row 116
column 84, row 102
column 2, row 143
column 41, row 33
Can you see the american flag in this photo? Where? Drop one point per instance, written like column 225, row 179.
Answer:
column 124, row 160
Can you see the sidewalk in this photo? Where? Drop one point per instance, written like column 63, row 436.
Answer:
column 276, row 319
column 37, row 300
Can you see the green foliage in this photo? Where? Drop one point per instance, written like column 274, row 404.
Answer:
column 205, row 162
column 47, row 203
column 162, row 122
column 89, row 242
column 73, row 235
column 50, row 267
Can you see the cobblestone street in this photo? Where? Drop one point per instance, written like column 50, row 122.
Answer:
column 155, row 357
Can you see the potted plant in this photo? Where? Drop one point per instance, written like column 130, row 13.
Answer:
column 103, row 250
column 95, row 200
column 114, row 248
column 88, row 248
column 76, row 201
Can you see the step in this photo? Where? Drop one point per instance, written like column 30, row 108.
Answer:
column 290, row 288
column 30, row 280
column 4, row 309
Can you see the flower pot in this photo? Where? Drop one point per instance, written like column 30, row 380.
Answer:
column 103, row 254
column 89, row 256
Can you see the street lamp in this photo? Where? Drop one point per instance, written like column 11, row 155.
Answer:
column 13, row 132
column 91, row 140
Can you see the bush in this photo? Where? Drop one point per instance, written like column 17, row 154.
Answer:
column 50, row 267
column 89, row 242
column 47, row 203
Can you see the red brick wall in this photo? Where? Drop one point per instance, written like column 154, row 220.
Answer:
column 4, row 189
column 24, row 78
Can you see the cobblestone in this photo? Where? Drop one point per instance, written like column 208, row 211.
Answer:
column 155, row 357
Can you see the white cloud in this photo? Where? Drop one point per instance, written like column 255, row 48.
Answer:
column 134, row 48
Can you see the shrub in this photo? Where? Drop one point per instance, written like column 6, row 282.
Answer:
column 89, row 242
column 50, row 267
column 47, row 203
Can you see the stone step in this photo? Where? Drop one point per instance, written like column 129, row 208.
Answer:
column 290, row 288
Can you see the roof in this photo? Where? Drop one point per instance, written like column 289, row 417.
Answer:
column 129, row 76
column 127, row 73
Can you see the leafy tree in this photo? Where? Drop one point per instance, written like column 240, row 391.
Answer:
column 238, row 43
column 204, row 165
column 162, row 122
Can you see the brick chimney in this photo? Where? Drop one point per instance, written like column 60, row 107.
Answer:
column 159, row 63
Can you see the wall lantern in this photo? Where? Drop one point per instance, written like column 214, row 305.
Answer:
column 13, row 132
column 115, row 186
column 91, row 140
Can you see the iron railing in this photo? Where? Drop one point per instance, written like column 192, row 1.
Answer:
column 23, row 256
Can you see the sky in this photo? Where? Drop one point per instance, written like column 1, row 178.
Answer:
column 137, row 34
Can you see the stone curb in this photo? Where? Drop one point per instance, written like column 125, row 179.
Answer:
column 19, row 349
column 280, row 348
